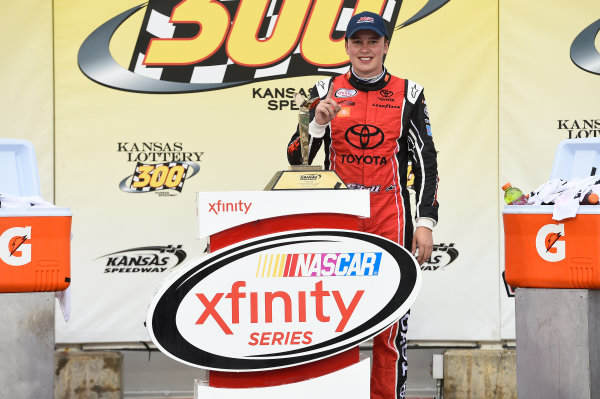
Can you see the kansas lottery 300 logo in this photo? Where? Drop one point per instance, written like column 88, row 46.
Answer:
column 161, row 167
column 199, row 45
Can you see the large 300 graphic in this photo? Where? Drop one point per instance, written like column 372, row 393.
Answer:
column 198, row 45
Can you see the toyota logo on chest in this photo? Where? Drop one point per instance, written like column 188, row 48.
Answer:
column 364, row 137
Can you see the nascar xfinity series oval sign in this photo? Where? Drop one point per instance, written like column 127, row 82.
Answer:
column 283, row 300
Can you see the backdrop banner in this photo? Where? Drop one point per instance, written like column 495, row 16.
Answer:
column 549, row 85
column 149, row 110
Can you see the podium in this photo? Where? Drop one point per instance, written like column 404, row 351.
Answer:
column 230, row 217
column 225, row 218
column 289, row 289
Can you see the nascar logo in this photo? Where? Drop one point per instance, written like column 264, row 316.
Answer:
column 238, row 42
column 319, row 265
column 272, row 302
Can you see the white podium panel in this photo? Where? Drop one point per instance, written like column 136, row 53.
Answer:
column 218, row 211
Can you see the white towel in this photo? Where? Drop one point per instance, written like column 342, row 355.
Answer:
column 547, row 192
column 566, row 204
column 64, row 300
column 14, row 201
column 595, row 189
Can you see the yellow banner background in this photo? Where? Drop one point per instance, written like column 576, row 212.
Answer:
column 498, row 80
column 452, row 53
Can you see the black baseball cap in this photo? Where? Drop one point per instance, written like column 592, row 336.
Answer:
column 366, row 21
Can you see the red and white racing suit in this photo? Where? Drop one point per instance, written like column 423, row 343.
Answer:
column 379, row 127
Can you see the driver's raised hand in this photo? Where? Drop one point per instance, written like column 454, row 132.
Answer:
column 327, row 109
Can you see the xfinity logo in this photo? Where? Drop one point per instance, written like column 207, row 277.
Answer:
column 294, row 308
column 222, row 207
column 584, row 53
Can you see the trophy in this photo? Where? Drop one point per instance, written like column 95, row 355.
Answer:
column 305, row 176
column 303, row 120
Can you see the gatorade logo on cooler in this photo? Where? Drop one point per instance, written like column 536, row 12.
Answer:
column 14, row 249
column 549, row 244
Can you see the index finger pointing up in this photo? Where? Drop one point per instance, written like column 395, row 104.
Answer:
column 330, row 92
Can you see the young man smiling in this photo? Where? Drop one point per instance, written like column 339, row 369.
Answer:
column 370, row 123
column 366, row 50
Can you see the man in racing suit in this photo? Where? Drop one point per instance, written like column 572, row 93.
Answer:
column 370, row 123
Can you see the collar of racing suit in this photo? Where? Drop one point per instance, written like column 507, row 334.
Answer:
column 365, row 85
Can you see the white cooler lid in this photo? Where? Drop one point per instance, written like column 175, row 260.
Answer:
column 34, row 211
column 576, row 158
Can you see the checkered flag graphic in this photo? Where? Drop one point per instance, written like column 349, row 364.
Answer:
column 219, row 68
column 157, row 169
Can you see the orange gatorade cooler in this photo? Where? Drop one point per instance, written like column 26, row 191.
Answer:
column 540, row 252
column 544, row 253
column 35, row 242
column 35, row 249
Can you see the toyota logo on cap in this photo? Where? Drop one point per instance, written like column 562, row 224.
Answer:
column 364, row 137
